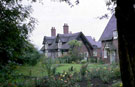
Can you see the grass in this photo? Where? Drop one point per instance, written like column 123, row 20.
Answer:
column 66, row 67
column 36, row 70
column 39, row 71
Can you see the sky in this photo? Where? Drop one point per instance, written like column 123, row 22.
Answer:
column 82, row 17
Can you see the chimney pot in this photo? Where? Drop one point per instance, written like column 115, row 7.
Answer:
column 53, row 31
column 65, row 28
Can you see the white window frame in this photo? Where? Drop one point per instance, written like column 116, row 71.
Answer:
column 115, row 34
column 105, row 53
column 94, row 53
column 46, row 46
column 59, row 44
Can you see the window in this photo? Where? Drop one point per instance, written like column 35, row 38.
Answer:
column 85, row 54
column 46, row 45
column 107, row 45
column 105, row 53
column 94, row 53
column 59, row 44
column 115, row 34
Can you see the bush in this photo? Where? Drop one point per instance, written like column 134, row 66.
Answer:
column 30, row 55
column 106, row 73
column 83, row 69
column 118, row 84
column 100, row 61
column 64, row 79
column 63, row 59
column 47, row 64
column 93, row 60
column 83, row 61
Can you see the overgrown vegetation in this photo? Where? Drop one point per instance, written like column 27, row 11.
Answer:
column 7, row 73
column 30, row 55
column 70, row 75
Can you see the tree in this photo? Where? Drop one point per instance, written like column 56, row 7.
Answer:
column 30, row 55
column 125, row 14
column 74, row 50
column 15, row 25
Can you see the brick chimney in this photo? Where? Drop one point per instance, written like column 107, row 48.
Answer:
column 94, row 39
column 53, row 31
column 65, row 29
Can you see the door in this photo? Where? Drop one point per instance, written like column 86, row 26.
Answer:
column 112, row 56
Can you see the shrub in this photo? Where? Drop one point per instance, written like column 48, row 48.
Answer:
column 100, row 61
column 47, row 64
column 116, row 72
column 106, row 73
column 83, row 69
column 64, row 79
column 83, row 61
column 118, row 84
column 30, row 55
column 93, row 60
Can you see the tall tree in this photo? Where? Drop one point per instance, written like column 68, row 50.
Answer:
column 125, row 14
column 15, row 24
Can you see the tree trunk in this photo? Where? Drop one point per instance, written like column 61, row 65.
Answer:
column 125, row 14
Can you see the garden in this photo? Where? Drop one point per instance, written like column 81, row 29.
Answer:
column 54, row 73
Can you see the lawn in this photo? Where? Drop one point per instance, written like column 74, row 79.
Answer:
column 39, row 71
column 95, row 75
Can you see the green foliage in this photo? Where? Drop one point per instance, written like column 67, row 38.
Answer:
column 93, row 60
column 83, row 69
column 74, row 53
column 83, row 61
column 74, row 43
column 117, row 84
column 48, row 66
column 64, row 59
column 100, row 61
column 30, row 55
column 15, row 25
column 106, row 73
column 64, row 79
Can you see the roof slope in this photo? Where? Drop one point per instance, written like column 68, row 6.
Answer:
column 64, row 38
column 96, row 43
column 108, row 32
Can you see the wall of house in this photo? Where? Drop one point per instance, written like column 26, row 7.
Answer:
column 84, row 50
column 52, row 54
column 115, row 44
column 99, row 53
column 106, row 60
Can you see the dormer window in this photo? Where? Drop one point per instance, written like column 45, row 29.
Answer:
column 115, row 34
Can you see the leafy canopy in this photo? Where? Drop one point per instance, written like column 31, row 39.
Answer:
column 15, row 25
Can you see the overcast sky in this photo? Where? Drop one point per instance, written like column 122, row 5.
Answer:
column 81, row 17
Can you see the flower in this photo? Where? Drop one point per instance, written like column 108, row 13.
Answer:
column 63, row 75
column 104, row 67
column 65, row 81
column 70, row 76
column 121, row 84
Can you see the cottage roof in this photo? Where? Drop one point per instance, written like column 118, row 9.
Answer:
column 64, row 38
column 49, row 40
column 93, row 43
column 108, row 32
